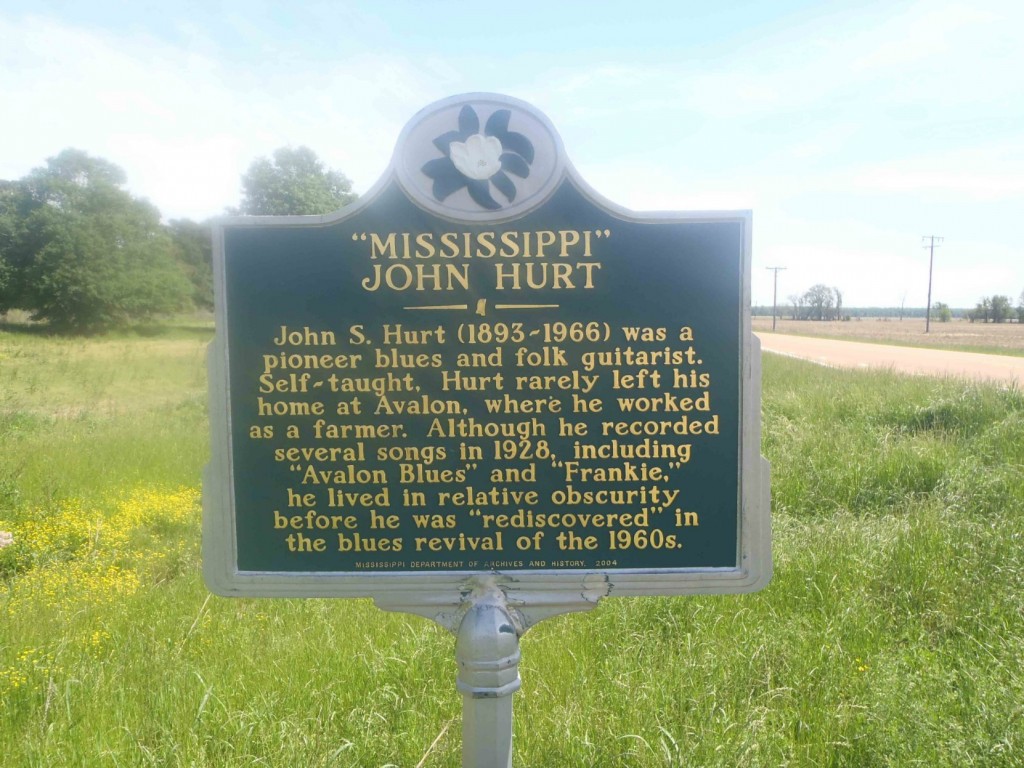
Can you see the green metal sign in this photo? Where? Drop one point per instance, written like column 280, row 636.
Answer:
column 482, row 367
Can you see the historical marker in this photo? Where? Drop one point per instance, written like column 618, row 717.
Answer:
column 484, row 391
column 484, row 367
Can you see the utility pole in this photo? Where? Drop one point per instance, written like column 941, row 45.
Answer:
column 932, row 242
column 775, row 294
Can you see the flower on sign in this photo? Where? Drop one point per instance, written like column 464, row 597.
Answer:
column 479, row 157
column 6, row 539
column 479, row 160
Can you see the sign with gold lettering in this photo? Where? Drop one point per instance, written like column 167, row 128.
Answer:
column 482, row 367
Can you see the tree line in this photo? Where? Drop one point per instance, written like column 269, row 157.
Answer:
column 997, row 309
column 819, row 302
column 80, row 253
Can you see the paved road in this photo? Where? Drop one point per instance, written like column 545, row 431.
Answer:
column 927, row 362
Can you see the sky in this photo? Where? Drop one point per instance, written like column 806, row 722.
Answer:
column 850, row 129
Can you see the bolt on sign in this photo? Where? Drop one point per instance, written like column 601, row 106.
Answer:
column 484, row 369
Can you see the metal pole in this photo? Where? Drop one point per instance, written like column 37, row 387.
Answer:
column 487, row 654
column 775, row 294
column 931, row 259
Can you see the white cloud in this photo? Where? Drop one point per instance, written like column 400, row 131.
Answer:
column 185, row 125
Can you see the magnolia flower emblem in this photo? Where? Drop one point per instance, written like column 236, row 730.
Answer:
column 479, row 161
column 478, row 157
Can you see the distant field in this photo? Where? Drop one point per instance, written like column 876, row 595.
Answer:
column 1002, row 339
column 891, row 635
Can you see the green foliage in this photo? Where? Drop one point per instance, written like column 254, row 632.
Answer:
column 294, row 182
column 982, row 311
column 84, row 254
column 942, row 312
column 1002, row 309
column 13, row 204
column 996, row 309
column 193, row 248
column 819, row 302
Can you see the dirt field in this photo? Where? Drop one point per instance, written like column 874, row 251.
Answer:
column 1005, row 338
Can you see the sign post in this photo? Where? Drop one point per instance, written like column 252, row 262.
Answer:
column 487, row 654
column 485, row 395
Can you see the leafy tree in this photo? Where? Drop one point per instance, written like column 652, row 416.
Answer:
column 1001, row 308
column 85, row 254
column 1020, row 308
column 942, row 312
column 797, row 301
column 982, row 311
column 996, row 308
column 8, row 232
column 294, row 182
column 819, row 301
column 193, row 248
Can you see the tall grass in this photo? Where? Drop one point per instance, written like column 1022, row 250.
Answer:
column 79, row 417
column 891, row 634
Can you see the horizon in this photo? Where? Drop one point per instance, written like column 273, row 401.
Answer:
column 850, row 130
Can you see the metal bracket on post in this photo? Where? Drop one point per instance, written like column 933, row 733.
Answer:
column 487, row 654
column 488, row 614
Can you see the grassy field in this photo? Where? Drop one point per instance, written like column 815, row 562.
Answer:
column 1001, row 339
column 891, row 634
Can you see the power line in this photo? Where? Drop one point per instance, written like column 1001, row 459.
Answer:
column 933, row 243
column 775, row 293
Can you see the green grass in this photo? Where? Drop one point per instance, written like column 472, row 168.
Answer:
column 891, row 634
column 79, row 417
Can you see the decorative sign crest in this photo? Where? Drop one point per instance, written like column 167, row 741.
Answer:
column 476, row 160
column 483, row 370
column 484, row 158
